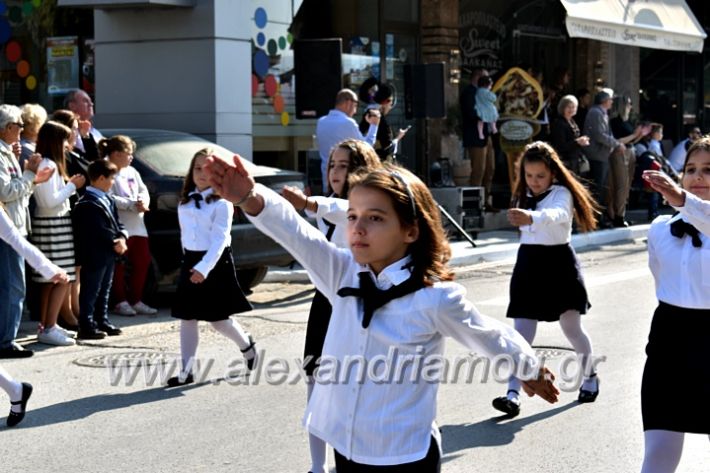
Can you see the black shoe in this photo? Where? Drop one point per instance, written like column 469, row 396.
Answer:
column 67, row 326
column 110, row 329
column 619, row 222
column 504, row 404
column 588, row 396
column 16, row 417
column 91, row 334
column 179, row 381
column 15, row 351
column 251, row 348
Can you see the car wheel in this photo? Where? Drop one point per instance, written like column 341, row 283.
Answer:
column 250, row 277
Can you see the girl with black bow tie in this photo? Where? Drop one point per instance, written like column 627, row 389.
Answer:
column 676, row 379
column 547, row 283
column 208, row 288
column 393, row 298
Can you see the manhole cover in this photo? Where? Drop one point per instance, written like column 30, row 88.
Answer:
column 550, row 353
column 132, row 358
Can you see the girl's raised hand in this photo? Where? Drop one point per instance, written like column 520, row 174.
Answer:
column 295, row 196
column 196, row 277
column 543, row 386
column 662, row 183
column 519, row 217
column 230, row 180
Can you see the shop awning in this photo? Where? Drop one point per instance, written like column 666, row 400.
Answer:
column 658, row 24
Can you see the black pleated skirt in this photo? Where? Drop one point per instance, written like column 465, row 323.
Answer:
column 676, row 379
column 317, row 328
column 218, row 297
column 547, row 281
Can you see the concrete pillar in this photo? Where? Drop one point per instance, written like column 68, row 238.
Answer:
column 186, row 69
column 439, row 36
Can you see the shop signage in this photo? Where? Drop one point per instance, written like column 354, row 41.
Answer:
column 62, row 64
column 516, row 130
column 482, row 36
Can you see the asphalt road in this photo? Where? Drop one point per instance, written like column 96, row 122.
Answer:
column 79, row 422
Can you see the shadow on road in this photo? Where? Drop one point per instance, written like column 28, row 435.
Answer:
column 491, row 432
column 80, row 408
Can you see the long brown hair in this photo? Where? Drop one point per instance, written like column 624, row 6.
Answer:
column 362, row 157
column 585, row 207
column 120, row 143
column 50, row 144
column 189, row 185
column 431, row 251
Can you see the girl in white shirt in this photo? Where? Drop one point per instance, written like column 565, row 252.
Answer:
column 52, row 229
column 208, row 288
column 19, row 392
column 547, row 283
column 132, row 200
column 676, row 378
column 346, row 158
column 396, row 243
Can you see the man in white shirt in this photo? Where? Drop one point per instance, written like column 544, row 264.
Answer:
column 677, row 157
column 80, row 103
column 339, row 125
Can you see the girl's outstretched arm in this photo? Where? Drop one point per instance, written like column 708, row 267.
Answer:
column 276, row 217
column 695, row 209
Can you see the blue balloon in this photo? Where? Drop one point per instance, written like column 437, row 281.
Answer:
column 5, row 30
column 260, row 39
column 261, row 63
column 260, row 17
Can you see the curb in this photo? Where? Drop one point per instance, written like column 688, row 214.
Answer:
column 465, row 255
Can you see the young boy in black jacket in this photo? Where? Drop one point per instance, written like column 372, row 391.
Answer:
column 99, row 237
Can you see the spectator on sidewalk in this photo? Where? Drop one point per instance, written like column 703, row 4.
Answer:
column 16, row 187
column 677, row 156
column 88, row 137
column 33, row 117
column 339, row 126
column 566, row 138
column 132, row 200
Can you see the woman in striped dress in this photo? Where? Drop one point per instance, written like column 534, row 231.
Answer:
column 52, row 230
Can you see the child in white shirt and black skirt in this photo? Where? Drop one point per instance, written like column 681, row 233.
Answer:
column 208, row 288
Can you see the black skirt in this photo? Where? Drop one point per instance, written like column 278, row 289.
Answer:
column 547, row 281
column 218, row 297
column 676, row 378
column 317, row 328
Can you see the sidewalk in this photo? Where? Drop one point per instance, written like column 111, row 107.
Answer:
column 496, row 243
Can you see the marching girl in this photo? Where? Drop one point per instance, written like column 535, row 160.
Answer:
column 676, row 378
column 546, row 199
column 208, row 288
column 330, row 212
column 19, row 392
column 52, row 229
column 392, row 289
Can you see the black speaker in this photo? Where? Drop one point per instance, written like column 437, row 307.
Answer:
column 319, row 75
column 424, row 91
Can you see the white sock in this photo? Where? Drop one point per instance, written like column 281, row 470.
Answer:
column 189, row 338
column 319, row 451
column 662, row 451
column 11, row 387
column 571, row 323
column 233, row 331
column 527, row 328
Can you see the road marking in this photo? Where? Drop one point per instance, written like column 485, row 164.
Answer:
column 590, row 283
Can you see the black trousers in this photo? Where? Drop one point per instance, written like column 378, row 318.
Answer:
column 93, row 297
column 431, row 463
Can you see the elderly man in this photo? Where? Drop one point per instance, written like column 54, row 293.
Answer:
column 16, row 187
column 80, row 103
column 339, row 125
column 601, row 143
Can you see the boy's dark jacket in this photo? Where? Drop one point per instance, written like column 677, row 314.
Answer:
column 95, row 229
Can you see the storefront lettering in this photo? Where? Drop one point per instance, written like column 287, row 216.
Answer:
column 591, row 30
column 481, row 39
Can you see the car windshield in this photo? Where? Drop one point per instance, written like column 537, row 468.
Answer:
column 171, row 154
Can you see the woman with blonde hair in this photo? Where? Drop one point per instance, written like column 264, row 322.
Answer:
column 33, row 117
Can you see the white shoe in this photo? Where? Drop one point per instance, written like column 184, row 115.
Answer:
column 67, row 333
column 52, row 336
column 141, row 308
column 124, row 308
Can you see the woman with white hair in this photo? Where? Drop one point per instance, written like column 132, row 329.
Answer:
column 566, row 138
column 33, row 117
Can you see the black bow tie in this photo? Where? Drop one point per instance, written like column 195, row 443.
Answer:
column 680, row 228
column 374, row 298
column 533, row 200
column 197, row 197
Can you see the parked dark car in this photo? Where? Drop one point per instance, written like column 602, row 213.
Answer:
column 163, row 157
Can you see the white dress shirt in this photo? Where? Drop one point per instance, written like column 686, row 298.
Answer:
column 127, row 188
column 35, row 258
column 372, row 422
column 52, row 196
column 677, row 156
column 552, row 219
column 208, row 228
column 334, row 210
column 682, row 271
